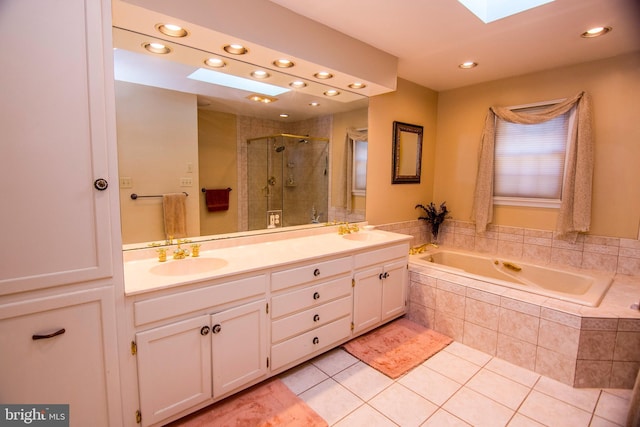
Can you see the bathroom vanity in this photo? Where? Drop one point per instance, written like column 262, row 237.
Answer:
column 199, row 334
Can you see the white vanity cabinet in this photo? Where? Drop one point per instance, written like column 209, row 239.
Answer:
column 219, row 348
column 380, row 286
column 311, row 310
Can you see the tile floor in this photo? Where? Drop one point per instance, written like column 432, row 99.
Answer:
column 459, row 386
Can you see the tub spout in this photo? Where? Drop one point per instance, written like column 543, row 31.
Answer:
column 511, row 266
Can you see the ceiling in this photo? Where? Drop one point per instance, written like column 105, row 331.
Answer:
column 431, row 37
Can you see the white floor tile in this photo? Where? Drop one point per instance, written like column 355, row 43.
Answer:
column 363, row 381
column 520, row 420
column 583, row 398
column 403, row 406
column 452, row 367
column 429, row 384
column 334, row 361
column 477, row 409
column 501, row 389
column 467, row 353
column 612, row 408
column 547, row 410
column 365, row 416
column 303, row 377
column 331, row 400
column 444, row 419
column 513, row 372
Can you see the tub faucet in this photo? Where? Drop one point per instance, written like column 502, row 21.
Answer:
column 511, row 266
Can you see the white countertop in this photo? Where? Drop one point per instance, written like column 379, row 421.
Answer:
column 140, row 278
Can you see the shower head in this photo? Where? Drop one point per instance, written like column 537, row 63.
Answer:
column 280, row 149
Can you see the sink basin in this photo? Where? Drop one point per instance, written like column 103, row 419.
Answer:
column 183, row 267
column 361, row 237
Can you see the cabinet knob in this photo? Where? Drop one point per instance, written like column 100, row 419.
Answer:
column 381, row 276
column 386, row 275
column 316, row 317
column 316, row 340
column 47, row 336
column 216, row 329
column 316, row 272
column 204, row 330
column 316, row 295
column 100, row 184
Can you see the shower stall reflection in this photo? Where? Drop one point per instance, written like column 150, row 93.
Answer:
column 288, row 180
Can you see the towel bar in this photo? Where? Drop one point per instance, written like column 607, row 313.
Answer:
column 134, row 196
column 204, row 190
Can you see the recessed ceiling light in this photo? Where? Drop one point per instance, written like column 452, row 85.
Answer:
column 357, row 85
column 235, row 49
column 332, row 92
column 248, row 85
column 595, row 32
column 172, row 30
column 283, row 63
column 262, row 98
column 314, row 104
column 284, row 115
column 323, row 75
column 298, row 84
column 155, row 47
column 214, row 62
column 260, row 74
column 468, row 64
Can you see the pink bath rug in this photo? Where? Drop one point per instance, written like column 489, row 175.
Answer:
column 397, row 347
column 267, row 404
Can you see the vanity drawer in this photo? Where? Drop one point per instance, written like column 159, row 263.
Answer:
column 381, row 255
column 310, row 273
column 310, row 342
column 311, row 296
column 315, row 317
column 184, row 302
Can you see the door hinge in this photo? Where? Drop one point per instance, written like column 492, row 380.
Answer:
column 353, row 283
column 267, row 308
column 138, row 417
column 352, row 326
column 134, row 348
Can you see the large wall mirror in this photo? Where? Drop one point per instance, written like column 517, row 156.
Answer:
column 178, row 134
column 407, row 153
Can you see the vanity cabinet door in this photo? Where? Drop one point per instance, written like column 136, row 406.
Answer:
column 239, row 346
column 174, row 368
column 58, row 139
column 394, row 289
column 58, row 350
column 367, row 299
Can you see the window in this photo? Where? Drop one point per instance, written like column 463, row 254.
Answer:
column 529, row 160
column 359, row 178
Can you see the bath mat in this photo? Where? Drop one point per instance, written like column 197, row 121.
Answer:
column 267, row 404
column 397, row 347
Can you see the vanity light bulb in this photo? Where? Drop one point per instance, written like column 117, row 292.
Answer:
column 298, row 84
column 260, row 74
column 215, row 62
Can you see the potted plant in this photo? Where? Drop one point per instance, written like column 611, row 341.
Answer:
column 435, row 217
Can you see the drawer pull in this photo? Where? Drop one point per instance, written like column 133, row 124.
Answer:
column 204, row 330
column 316, row 272
column 316, row 340
column 216, row 329
column 316, row 317
column 47, row 336
column 316, row 295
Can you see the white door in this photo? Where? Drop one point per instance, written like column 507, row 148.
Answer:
column 394, row 289
column 367, row 298
column 239, row 346
column 56, row 119
column 174, row 368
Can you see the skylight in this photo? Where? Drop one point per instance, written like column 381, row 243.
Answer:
column 222, row 79
column 492, row 10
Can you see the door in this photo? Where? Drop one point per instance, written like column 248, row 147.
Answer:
column 239, row 346
column 174, row 368
column 367, row 298
column 394, row 289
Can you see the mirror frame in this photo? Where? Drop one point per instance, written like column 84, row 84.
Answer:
column 398, row 129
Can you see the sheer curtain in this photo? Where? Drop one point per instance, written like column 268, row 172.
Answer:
column 575, row 208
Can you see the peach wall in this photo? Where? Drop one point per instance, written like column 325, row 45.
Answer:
column 615, row 90
column 155, row 156
column 413, row 104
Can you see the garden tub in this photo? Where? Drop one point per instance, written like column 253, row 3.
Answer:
column 555, row 282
